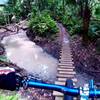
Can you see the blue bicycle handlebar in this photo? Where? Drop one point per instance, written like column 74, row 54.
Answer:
column 12, row 81
column 94, row 93
column 59, row 88
column 62, row 89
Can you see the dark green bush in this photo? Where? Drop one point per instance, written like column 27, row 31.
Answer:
column 73, row 24
column 2, row 20
column 43, row 25
column 94, row 30
column 70, row 19
column 96, row 11
column 98, row 45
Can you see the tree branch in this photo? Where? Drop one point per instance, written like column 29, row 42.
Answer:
column 93, row 5
column 4, row 27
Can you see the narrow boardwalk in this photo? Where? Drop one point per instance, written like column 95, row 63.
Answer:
column 65, row 68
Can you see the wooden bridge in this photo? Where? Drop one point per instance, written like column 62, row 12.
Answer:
column 66, row 67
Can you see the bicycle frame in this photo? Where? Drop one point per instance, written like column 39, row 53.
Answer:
column 85, row 93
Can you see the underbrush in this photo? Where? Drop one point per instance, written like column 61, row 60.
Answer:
column 94, row 30
column 43, row 25
column 9, row 97
column 2, row 19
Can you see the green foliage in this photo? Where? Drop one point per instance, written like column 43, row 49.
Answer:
column 98, row 46
column 43, row 25
column 70, row 19
column 10, row 6
column 2, row 20
column 19, row 8
column 94, row 30
column 3, row 97
column 3, row 58
column 96, row 9
column 74, row 25
column 9, row 95
column 12, row 97
column 71, row 2
column 65, row 11
column 97, row 12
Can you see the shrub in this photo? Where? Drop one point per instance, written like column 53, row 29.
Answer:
column 12, row 97
column 94, row 30
column 2, row 19
column 71, row 19
column 43, row 25
column 96, row 11
column 98, row 46
column 73, row 24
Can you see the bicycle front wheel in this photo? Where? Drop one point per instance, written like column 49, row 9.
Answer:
column 69, row 83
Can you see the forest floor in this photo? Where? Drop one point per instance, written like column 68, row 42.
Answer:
column 86, row 58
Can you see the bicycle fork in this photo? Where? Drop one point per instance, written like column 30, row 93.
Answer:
column 84, row 91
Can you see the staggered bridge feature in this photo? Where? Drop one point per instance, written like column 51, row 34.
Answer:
column 66, row 67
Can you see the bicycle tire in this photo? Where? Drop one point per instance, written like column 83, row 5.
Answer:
column 69, row 83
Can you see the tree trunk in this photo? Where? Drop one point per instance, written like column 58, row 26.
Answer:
column 63, row 4
column 86, row 22
column 81, row 9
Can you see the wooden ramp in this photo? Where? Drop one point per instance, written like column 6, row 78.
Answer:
column 65, row 68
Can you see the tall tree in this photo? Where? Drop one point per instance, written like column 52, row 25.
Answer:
column 11, row 3
column 86, row 7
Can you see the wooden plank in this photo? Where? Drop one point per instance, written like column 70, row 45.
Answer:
column 65, row 76
column 59, row 98
column 65, row 51
column 60, row 83
column 69, row 67
column 55, row 93
column 65, row 44
column 64, row 59
column 64, row 69
column 64, row 79
column 66, row 56
column 67, row 73
column 65, row 47
column 60, row 64
column 67, row 62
